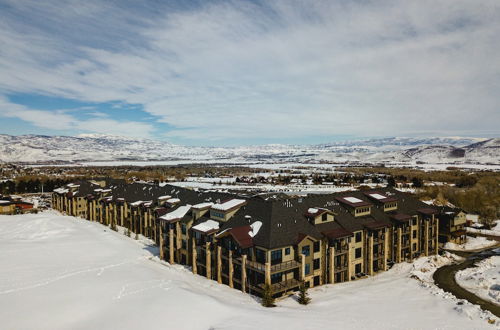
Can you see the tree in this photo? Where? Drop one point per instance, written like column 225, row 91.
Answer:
column 417, row 182
column 391, row 182
column 303, row 296
column 267, row 297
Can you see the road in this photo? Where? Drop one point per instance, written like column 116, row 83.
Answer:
column 444, row 278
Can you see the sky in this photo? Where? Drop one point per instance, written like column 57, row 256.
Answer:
column 250, row 72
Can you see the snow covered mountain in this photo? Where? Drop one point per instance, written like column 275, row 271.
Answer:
column 95, row 147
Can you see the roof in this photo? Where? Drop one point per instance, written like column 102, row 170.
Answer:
column 400, row 216
column 353, row 201
column 177, row 214
column 380, row 196
column 229, row 205
column 202, row 206
column 207, row 227
column 338, row 233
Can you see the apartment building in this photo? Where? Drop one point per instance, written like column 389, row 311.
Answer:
column 247, row 241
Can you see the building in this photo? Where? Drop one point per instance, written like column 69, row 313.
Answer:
column 247, row 242
column 452, row 223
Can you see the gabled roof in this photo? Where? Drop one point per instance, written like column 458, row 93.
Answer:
column 380, row 197
column 337, row 233
column 176, row 214
column 353, row 201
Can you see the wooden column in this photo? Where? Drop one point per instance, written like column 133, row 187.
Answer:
column 268, row 273
column 194, row 255
column 208, row 260
column 370, row 255
column 162, row 251
column 219, row 264
column 349, row 261
column 399, row 245
column 331, row 273
column 386, row 247
column 171, row 243
column 302, row 267
column 243, row 272
column 231, row 270
column 426, row 237
column 436, row 234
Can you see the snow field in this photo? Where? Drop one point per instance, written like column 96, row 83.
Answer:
column 483, row 280
column 59, row 272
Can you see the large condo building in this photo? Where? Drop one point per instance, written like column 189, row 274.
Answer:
column 248, row 241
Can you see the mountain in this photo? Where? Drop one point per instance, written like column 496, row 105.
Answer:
column 109, row 148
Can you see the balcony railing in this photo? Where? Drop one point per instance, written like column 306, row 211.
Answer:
column 282, row 286
column 281, row 267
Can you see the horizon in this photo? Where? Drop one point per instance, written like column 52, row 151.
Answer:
column 339, row 141
column 239, row 73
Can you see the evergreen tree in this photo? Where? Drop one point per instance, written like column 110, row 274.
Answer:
column 303, row 296
column 267, row 297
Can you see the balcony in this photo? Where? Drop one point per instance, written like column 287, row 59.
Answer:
column 281, row 267
column 281, row 286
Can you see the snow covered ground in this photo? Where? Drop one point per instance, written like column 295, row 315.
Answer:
column 483, row 280
column 495, row 230
column 473, row 243
column 59, row 272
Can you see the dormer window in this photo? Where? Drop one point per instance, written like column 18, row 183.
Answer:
column 324, row 217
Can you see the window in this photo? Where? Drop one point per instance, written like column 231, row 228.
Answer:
column 276, row 278
column 357, row 268
column 414, row 234
column 358, row 237
column 183, row 229
column 316, row 264
column 287, row 251
column 414, row 222
column 276, row 256
column 324, row 217
column 260, row 255
column 308, row 269
column 316, row 246
column 414, row 247
column 184, row 244
column 306, row 250
column 357, row 253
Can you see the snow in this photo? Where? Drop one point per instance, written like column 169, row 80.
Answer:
column 164, row 197
column 228, row 205
column 483, row 280
column 119, row 283
column 173, row 200
column 377, row 196
column 495, row 230
column 353, row 199
column 203, row 205
column 255, row 227
column 177, row 213
column 472, row 243
column 207, row 226
column 137, row 203
column 312, row 210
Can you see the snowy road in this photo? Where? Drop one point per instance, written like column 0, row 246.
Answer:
column 59, row 272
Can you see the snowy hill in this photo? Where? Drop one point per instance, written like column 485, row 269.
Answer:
column 108, row 148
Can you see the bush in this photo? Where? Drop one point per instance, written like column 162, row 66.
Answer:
column 303, row 296
column 267, row 297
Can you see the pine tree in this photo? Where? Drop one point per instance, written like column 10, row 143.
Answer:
column 303, row 297
column 267, row 297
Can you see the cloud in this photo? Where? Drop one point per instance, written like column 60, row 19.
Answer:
column 283, row 69
column 60, row 120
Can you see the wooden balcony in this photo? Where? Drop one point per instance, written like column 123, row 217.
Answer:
column 282, row 286
column 281, row 267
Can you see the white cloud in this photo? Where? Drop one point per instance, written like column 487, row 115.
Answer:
column 283, row 70
column 60, row 120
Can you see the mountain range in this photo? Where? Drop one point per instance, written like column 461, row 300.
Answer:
column 37, row 149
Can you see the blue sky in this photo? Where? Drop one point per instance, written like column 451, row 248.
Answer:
column 249, row 72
